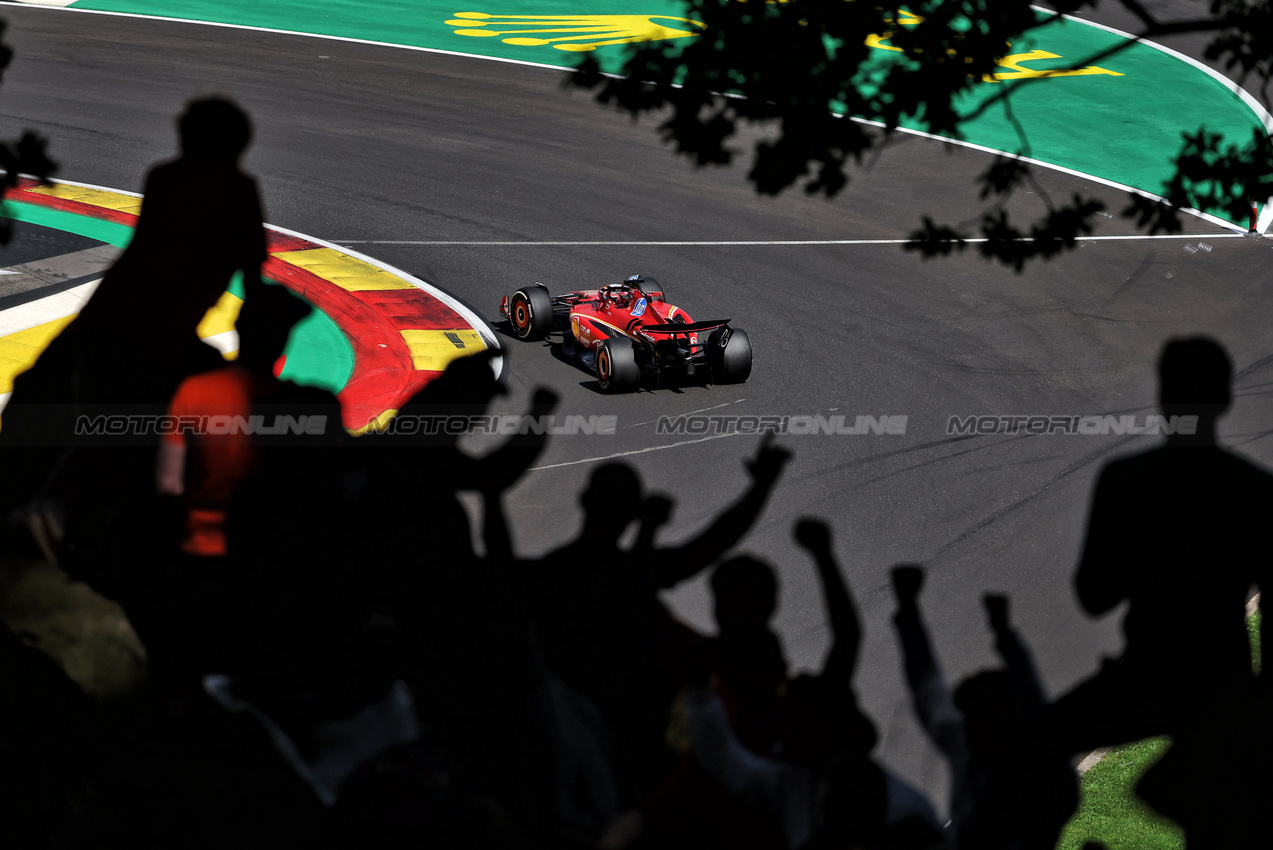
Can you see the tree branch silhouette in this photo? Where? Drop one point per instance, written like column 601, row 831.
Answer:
column 794, row 67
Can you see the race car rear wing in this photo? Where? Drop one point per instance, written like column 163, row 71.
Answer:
column 684, row 327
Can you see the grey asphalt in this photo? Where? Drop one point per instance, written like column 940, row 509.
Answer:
column 370, row 145
column 29, row 276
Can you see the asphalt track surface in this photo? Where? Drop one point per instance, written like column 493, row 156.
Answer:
column 371, row 146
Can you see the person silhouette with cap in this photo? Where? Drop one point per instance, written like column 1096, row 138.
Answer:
column 200, row 225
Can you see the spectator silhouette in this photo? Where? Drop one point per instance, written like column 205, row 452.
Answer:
column 203, row 468
column 823, row 717
column 404, row 458
column 563, row 779
column 664, row 639
column 364, row 668
column 747, row 657
column 201, row 223
column 747, row 667
column 427, row 580
column 605, row 630
column 444, row 615
column 1180, row 533
column 980, row 728
column 604, row 635
column 818, row 786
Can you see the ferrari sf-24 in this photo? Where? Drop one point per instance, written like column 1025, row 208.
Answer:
column 627, row 331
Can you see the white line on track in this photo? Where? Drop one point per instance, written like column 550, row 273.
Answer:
column 1265, row 219
column 756, row 243
column 690, row 412
column 633, row 452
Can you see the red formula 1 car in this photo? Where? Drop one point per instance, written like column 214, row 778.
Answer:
column 626, row 330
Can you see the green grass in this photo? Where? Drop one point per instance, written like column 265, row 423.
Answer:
column 1110, row 812
column 1253, row 632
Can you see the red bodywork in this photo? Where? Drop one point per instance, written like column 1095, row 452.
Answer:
column 598, row 314
column 624, row 331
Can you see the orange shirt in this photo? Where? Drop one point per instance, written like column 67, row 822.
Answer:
column 219, row 455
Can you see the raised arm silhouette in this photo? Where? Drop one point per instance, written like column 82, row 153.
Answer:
column 816, row 783
column 980, row 726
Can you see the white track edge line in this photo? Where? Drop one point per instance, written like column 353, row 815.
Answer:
column 764, row 244
column 476, row 322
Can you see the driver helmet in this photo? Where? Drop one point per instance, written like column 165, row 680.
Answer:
column 620, row 296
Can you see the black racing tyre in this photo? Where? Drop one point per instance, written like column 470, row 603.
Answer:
column 730, row 355
column 530, row 313
column 617, row 369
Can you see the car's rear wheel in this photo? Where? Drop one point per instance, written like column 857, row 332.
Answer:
column 730, row 355
column 617, row 369
column 530, row 312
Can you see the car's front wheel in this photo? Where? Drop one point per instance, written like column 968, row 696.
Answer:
column 617, row 369
column 530, row 312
